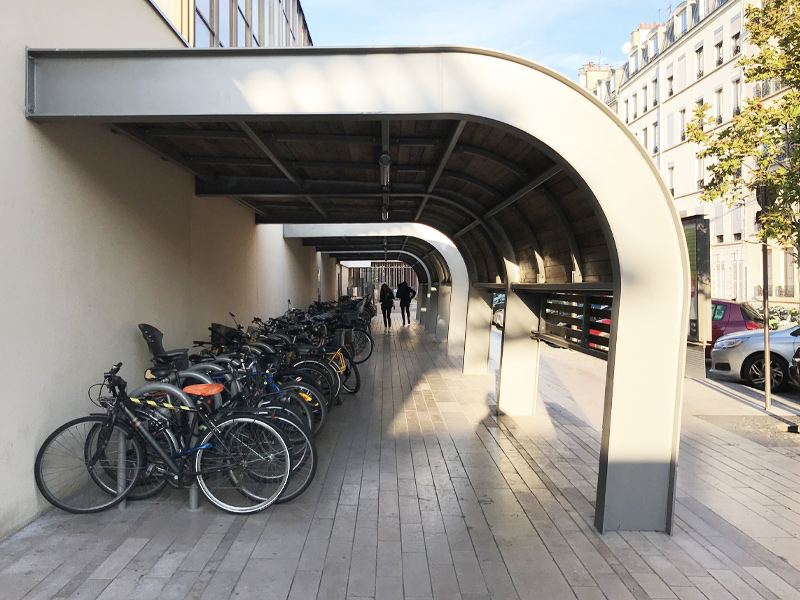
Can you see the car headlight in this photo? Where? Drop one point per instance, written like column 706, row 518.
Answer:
column 729, row 343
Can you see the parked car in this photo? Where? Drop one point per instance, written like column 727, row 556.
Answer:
column 729, row 317
column 741, row 356
column 499, row 310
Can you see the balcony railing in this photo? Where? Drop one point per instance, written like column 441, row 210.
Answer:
column 719, row 61
column 670, row 92
column 683, row 136
column 644, row 108
column 701, row 185
column 719, row 119
column 655, row 150
column 737, row 110
column 699, row 73
column 655, row 102
column 737, row 49
column 634, row 115
column 672, row 192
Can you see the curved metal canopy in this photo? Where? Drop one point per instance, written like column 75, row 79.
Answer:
column 498, row 193
column 426, row 260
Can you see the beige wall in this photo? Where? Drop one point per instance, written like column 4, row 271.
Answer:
column 328, row 281
column 287, row 270
column 98, row 234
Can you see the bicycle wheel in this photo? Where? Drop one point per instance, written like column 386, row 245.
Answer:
column 351, row 378
column 363, row 345
column 246, row 467
column 303, row 452
column 154, row 474
column 86, row 465
column 313, row 404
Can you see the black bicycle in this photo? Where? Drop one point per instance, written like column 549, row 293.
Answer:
column 240, row 460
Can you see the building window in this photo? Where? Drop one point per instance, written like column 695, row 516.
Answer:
column 699, row 169
column 695, row 13
column 720, row 239
column 737, row 237
column 736, row 46
column 655, row 92
column 644, row 138
column 203, row 31
column 671, row 179
column 655, row 45
column 242, row 26
column 698, row 61
column 224, row 23
column 627, row 118
column 655, row 138
column 645, row 55
column 697, row 105
column 736, row 97
column 718, row 106
column 682, row 123
column 718, row 58
column 644, row 99
column 633, row 101
column 670, row 89
column 682, row 22
column 255, row 24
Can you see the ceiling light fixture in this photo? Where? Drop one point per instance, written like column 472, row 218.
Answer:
column 385, row 164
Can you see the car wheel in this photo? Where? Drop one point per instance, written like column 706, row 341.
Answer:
column 753, row 372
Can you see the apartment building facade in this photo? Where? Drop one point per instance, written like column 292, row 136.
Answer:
column 673, row 67
column 237, row 23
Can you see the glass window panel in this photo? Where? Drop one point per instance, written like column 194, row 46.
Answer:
column 256, row 24
column 204, row 8
column 202, row 34
column 241, row 29
column 224, row 23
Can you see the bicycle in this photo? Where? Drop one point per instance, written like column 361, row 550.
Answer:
column 241, row 462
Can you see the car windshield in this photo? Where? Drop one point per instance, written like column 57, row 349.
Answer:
column 750, row 313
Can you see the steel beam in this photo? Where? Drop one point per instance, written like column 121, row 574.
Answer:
column 577, row 275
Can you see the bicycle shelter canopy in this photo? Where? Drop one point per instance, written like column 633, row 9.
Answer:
column 533, row 180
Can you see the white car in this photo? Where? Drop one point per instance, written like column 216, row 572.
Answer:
column 740, row 355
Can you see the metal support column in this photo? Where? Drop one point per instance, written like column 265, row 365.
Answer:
column 479, row 332
column 433, row 308
column 443, row 317
column 519, row 358
column 422, row 304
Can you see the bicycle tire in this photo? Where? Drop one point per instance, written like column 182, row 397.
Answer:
column 352, row 381
column 303, row 451
column 314, row 402
column 78, row 455
column 363, row 346
column 327, row 377
column 247, row 466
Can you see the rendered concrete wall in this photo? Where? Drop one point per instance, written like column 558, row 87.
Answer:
column 287, row 270
column 328, row 281
column 98, row 234
column 95, row 237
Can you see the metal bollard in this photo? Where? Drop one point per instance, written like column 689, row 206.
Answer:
column 122, row 466
column 194, row 498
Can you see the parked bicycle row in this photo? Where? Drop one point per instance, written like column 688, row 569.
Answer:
column 236, row 414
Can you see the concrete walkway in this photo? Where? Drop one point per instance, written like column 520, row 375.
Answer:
column 421, row 493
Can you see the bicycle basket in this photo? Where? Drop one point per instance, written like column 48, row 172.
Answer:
column 222, row 335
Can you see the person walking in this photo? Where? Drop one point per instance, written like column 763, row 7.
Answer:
column 405, row 294
column 387, row 304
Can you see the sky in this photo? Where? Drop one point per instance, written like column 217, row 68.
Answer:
column 560, row 34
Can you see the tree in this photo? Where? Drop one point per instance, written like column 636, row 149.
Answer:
column 760, row 145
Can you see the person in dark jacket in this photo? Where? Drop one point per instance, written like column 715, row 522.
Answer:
column 405, row 294
column 387, row 304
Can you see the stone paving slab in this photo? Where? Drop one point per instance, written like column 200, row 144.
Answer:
column 421, row 492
